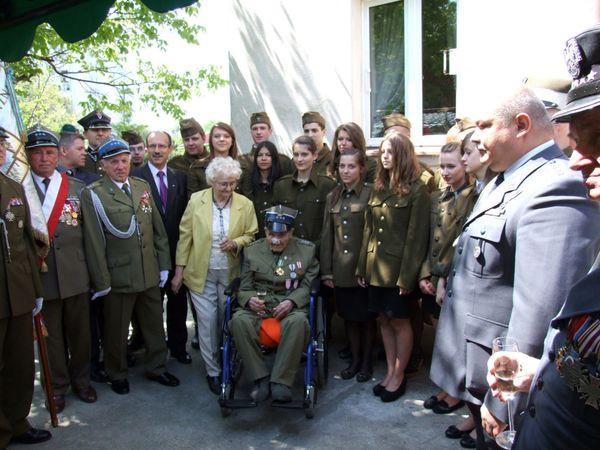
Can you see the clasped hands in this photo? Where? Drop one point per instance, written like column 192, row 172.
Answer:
column 279, row 312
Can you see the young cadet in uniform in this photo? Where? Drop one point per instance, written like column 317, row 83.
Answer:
column 449, row 209
column 96, row 128
column 563, row 409
column 340, row 246
column 393, row 248
column 20, row 295
column 194, row 138
column 128, row 256
column 346, row 137
column 64, row 276
column 305, row 191
column 283, row 267
column 261, row 130
column 221, row 142
column 136, row 146
column 313, row 125
column 72, row 155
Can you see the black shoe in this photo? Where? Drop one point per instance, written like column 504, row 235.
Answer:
column 363, row 377
column 431, row 402
column 378, row 389
column 349, row 372
column 345, row 353
column 165, row 378
column 121, row 387
column 214, row 384
column 442, row 407
column 99, row 375
column 452, row 432
column 183, row 358
column 414, row 364
column 32, row 436
column 195, row 344
column 467, row 441
column 391, row 396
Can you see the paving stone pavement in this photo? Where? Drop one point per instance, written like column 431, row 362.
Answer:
column 152, row 416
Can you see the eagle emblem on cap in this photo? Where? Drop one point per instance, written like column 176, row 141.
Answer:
column 573, row 58
column 99, row 114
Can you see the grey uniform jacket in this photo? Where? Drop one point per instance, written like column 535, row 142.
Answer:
column 564, row 405
column 525, row 244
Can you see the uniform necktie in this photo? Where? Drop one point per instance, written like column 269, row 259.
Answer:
column 499, row 179
column 126, row 189
column 163, row 189
column 46, row 183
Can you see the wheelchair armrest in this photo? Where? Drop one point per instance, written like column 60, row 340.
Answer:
column 233, row 287
column 315, row 287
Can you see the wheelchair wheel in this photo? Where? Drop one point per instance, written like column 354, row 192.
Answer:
column 310, row 399
column 321, row 351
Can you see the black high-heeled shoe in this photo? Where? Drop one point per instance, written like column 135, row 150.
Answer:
column 378, row 389
column 349, row 372
column 391, row 396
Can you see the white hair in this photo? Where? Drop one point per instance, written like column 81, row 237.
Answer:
column 223, row 166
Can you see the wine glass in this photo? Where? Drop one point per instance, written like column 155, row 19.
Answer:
column 506, row 369
column 261, row 293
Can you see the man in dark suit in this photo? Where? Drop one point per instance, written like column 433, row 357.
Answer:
column 512, row 267
column 169, row 189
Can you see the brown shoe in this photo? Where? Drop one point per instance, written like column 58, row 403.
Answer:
column 87, row 394
column 59, row 401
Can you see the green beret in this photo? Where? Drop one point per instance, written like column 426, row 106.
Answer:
column 313, row 117
column 260, row 117
column 189, row 127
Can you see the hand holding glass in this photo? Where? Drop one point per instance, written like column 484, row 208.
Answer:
column 506, row 369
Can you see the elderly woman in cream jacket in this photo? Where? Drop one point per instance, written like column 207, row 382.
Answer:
column 217, row 224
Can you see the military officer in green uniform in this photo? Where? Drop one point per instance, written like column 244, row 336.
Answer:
column 96, row 128
column 305, row 190
column 276, row 276
column 313, row 125
column 261, row 130
column 65, row 278
column 20, row 294
column 194, row 138
column 128, row 257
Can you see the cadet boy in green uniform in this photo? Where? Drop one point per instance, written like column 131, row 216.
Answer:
column 20, row 294
column 194, row 138
column 65, row 278
column 261, row 130
column 283, row 267
column 96, row 128
column 313, row 125
column 128, row 257
column 136, row 147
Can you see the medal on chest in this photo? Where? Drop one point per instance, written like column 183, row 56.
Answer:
column 145, row 204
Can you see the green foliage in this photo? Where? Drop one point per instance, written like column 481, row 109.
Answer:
column 105, row 63
column 42, row 101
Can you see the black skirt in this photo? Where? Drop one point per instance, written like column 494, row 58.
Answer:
column 353, row 304
column 389, row 302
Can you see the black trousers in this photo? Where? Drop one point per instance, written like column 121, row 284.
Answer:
column 96, row 331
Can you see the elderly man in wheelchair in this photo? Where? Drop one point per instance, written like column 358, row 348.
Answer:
column 277, row 273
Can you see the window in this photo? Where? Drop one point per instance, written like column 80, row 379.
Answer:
column 408, row 51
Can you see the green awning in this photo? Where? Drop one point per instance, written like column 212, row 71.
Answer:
column 73, row 20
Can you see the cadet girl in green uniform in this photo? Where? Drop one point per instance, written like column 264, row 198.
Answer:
column 393, row 249
column 340, row 247
column 221, row 141
column 257, row 182
column 304, row 190
column 346, row 137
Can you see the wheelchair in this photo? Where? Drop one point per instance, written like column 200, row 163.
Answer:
column 316, row 369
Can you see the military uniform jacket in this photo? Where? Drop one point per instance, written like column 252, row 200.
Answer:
column 262, row 198
column 126, row 265
column 92, row 164
column 343, row 227
column 67, row 273
column 448, row 214
column 395, row 238
column 526, row 242
column 20, row 282
column 564, row 402
column 309, row 199
column 196, row 180
column 183, row 162
column 323, row 160
column 283, row 276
